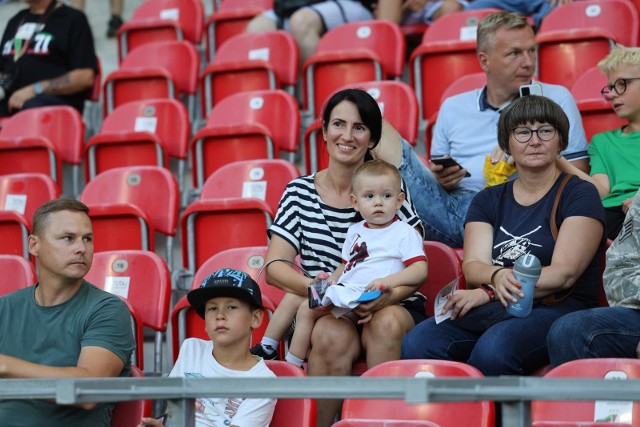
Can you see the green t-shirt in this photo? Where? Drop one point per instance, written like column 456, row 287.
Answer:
column 54, row 336
column 618, row 156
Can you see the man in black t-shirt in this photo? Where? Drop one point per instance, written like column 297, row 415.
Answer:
column 47, row 58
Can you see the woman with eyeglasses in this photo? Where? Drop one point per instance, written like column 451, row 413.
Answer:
column 510, row 220
column 615, row 154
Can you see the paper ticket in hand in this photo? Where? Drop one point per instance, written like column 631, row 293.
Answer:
column 442, row 298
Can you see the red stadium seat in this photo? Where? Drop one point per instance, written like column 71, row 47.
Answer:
column 383, row 423
column 376, row 51
column 250, row 61
column 143, row 279
column 161, row 20
column 135, row 201
column 597, row 114
column 17, row 273
column 213, row 225
column 128, row 413
column 264, row 179
column 30, row 154
column 167, row 69
column 292, row 412
column 586, row 411
column 444, row 267
column 61, row 125
column 245, row 126
column 144, row 132
column 479, row 414
column 231, row 19
column 574, row 37
column 316, row 156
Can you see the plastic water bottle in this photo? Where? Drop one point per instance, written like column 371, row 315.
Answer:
column 527, row 270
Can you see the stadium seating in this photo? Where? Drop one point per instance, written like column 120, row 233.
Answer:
column 597, row 114
column 245, row 126
column 350, row 53
column 292, row 412
column 447, row 52
column 264, row 179
column 61, row 125
column 231, row 19
column 160, row 20
column 444, row 267
column 143, row 279
column 546, row 412
column 17, row 273
column 574, row 37
column 213, row 225
column 316, row 156
column 480, row 414
column 250, row 61
column 20, row 195
column 167, row 69
column 136, row 201
column 128, row 413
column 144, row 132
column 384, row 423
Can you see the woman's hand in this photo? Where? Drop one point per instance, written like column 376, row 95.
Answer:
column 375, row 285
column 464, row 300
column 365, row 311
column 506, row 286
column 150, row 422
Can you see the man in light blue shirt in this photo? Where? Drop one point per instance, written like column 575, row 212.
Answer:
column 466, row 129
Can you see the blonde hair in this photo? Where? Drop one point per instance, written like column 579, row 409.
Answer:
column 491, row 23
column 620, row 55
column 377, row 168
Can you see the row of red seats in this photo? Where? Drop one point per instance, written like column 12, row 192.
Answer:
column 355, row 411
column 572, row 38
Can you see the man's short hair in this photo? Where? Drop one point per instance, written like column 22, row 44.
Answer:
column 41, row 215
column 491, row 23
column 620, row 55
column 378, row 168
column 530, row 109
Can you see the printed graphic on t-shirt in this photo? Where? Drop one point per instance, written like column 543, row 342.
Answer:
column 513, row 246
column 358, row 253
column 210, row 411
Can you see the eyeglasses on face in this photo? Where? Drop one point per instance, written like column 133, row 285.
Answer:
column 523, row 134
column 619, row 86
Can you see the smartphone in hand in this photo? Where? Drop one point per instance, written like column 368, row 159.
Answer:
column 447, row 161
column 532, row 89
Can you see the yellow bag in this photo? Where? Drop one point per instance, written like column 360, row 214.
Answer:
column 498, row 173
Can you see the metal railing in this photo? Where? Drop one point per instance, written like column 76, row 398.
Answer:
column 513, row 393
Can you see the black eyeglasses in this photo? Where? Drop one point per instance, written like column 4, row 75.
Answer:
column 523, row 134
column 619, row 86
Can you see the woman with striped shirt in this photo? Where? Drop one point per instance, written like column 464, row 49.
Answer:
column 312, row 220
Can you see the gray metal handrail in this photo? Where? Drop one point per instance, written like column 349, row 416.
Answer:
column 515, row 393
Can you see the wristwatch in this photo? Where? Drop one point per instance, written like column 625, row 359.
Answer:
column 38, row 89
column 489, row 291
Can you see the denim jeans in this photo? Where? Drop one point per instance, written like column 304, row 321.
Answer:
column 598, row 332
column 537, row 9
column 514, row 346
column 442, row 212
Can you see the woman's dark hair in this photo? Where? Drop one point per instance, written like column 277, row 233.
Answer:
column 367, row 108
column 530, row 109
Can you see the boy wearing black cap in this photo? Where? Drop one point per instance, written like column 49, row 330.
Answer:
column 230, row 302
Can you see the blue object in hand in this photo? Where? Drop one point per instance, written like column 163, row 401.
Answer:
column 527, row 269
